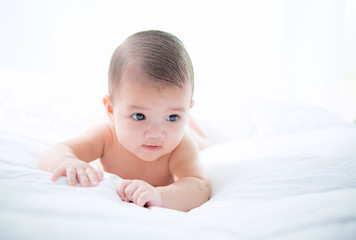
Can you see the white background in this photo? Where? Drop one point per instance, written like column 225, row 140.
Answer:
column 304, row 48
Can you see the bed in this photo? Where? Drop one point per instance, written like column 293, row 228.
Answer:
column 280, row 169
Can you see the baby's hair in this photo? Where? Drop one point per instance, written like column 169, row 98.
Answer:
column 160, row 55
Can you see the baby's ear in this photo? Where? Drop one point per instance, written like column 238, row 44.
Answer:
column 108, row 107
column 192, row 102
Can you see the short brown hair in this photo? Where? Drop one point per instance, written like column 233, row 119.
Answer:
column 162, row 57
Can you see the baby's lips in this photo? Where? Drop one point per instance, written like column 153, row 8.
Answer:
column 151, row 147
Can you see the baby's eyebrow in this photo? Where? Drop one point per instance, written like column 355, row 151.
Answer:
column 135, row 107
column 177, row 109
column 172, row 109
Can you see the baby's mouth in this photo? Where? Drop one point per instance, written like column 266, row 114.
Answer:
column 151, row 147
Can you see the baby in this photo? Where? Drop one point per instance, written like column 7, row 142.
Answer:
column 145, row 139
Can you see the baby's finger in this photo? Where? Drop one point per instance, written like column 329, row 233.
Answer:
column 136, row 195
column 82, row 177
column 143, row 198
column 121, row 188
column 58, row 172
column 92, row 176
column 99, row 174
column 71, row 176
column 130, row 190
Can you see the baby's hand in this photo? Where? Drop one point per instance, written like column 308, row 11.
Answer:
column 77, row 169
column 139, row 192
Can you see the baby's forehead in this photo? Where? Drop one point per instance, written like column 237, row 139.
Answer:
column 149, row 96
column 135, row 75
column 153, row 86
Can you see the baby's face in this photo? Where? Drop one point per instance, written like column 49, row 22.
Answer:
column 149, row 122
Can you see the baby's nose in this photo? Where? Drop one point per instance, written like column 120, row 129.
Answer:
column 155, row 130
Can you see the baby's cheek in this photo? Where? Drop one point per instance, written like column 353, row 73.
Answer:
column 128, row 128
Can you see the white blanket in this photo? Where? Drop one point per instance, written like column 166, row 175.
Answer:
column 279, row 170
column 300, row 186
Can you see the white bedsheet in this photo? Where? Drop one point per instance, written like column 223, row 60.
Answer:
column 299, row 186
column 282, row 170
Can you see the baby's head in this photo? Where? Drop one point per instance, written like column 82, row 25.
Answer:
column 158, row 55
column 151, row 86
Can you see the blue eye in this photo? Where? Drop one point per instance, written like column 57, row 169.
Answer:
column 172, row 118
column 138, row 116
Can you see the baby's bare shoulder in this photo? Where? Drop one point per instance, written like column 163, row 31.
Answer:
column 99, row 133
column 105, row 130
column 184, row 161
column 187, row 142
column 92, row 143
column 187, row 150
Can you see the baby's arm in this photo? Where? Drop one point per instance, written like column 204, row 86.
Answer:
column 71, row 158
column 192, row 186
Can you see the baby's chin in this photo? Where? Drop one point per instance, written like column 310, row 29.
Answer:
column 149, row 158
column 151, row 154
